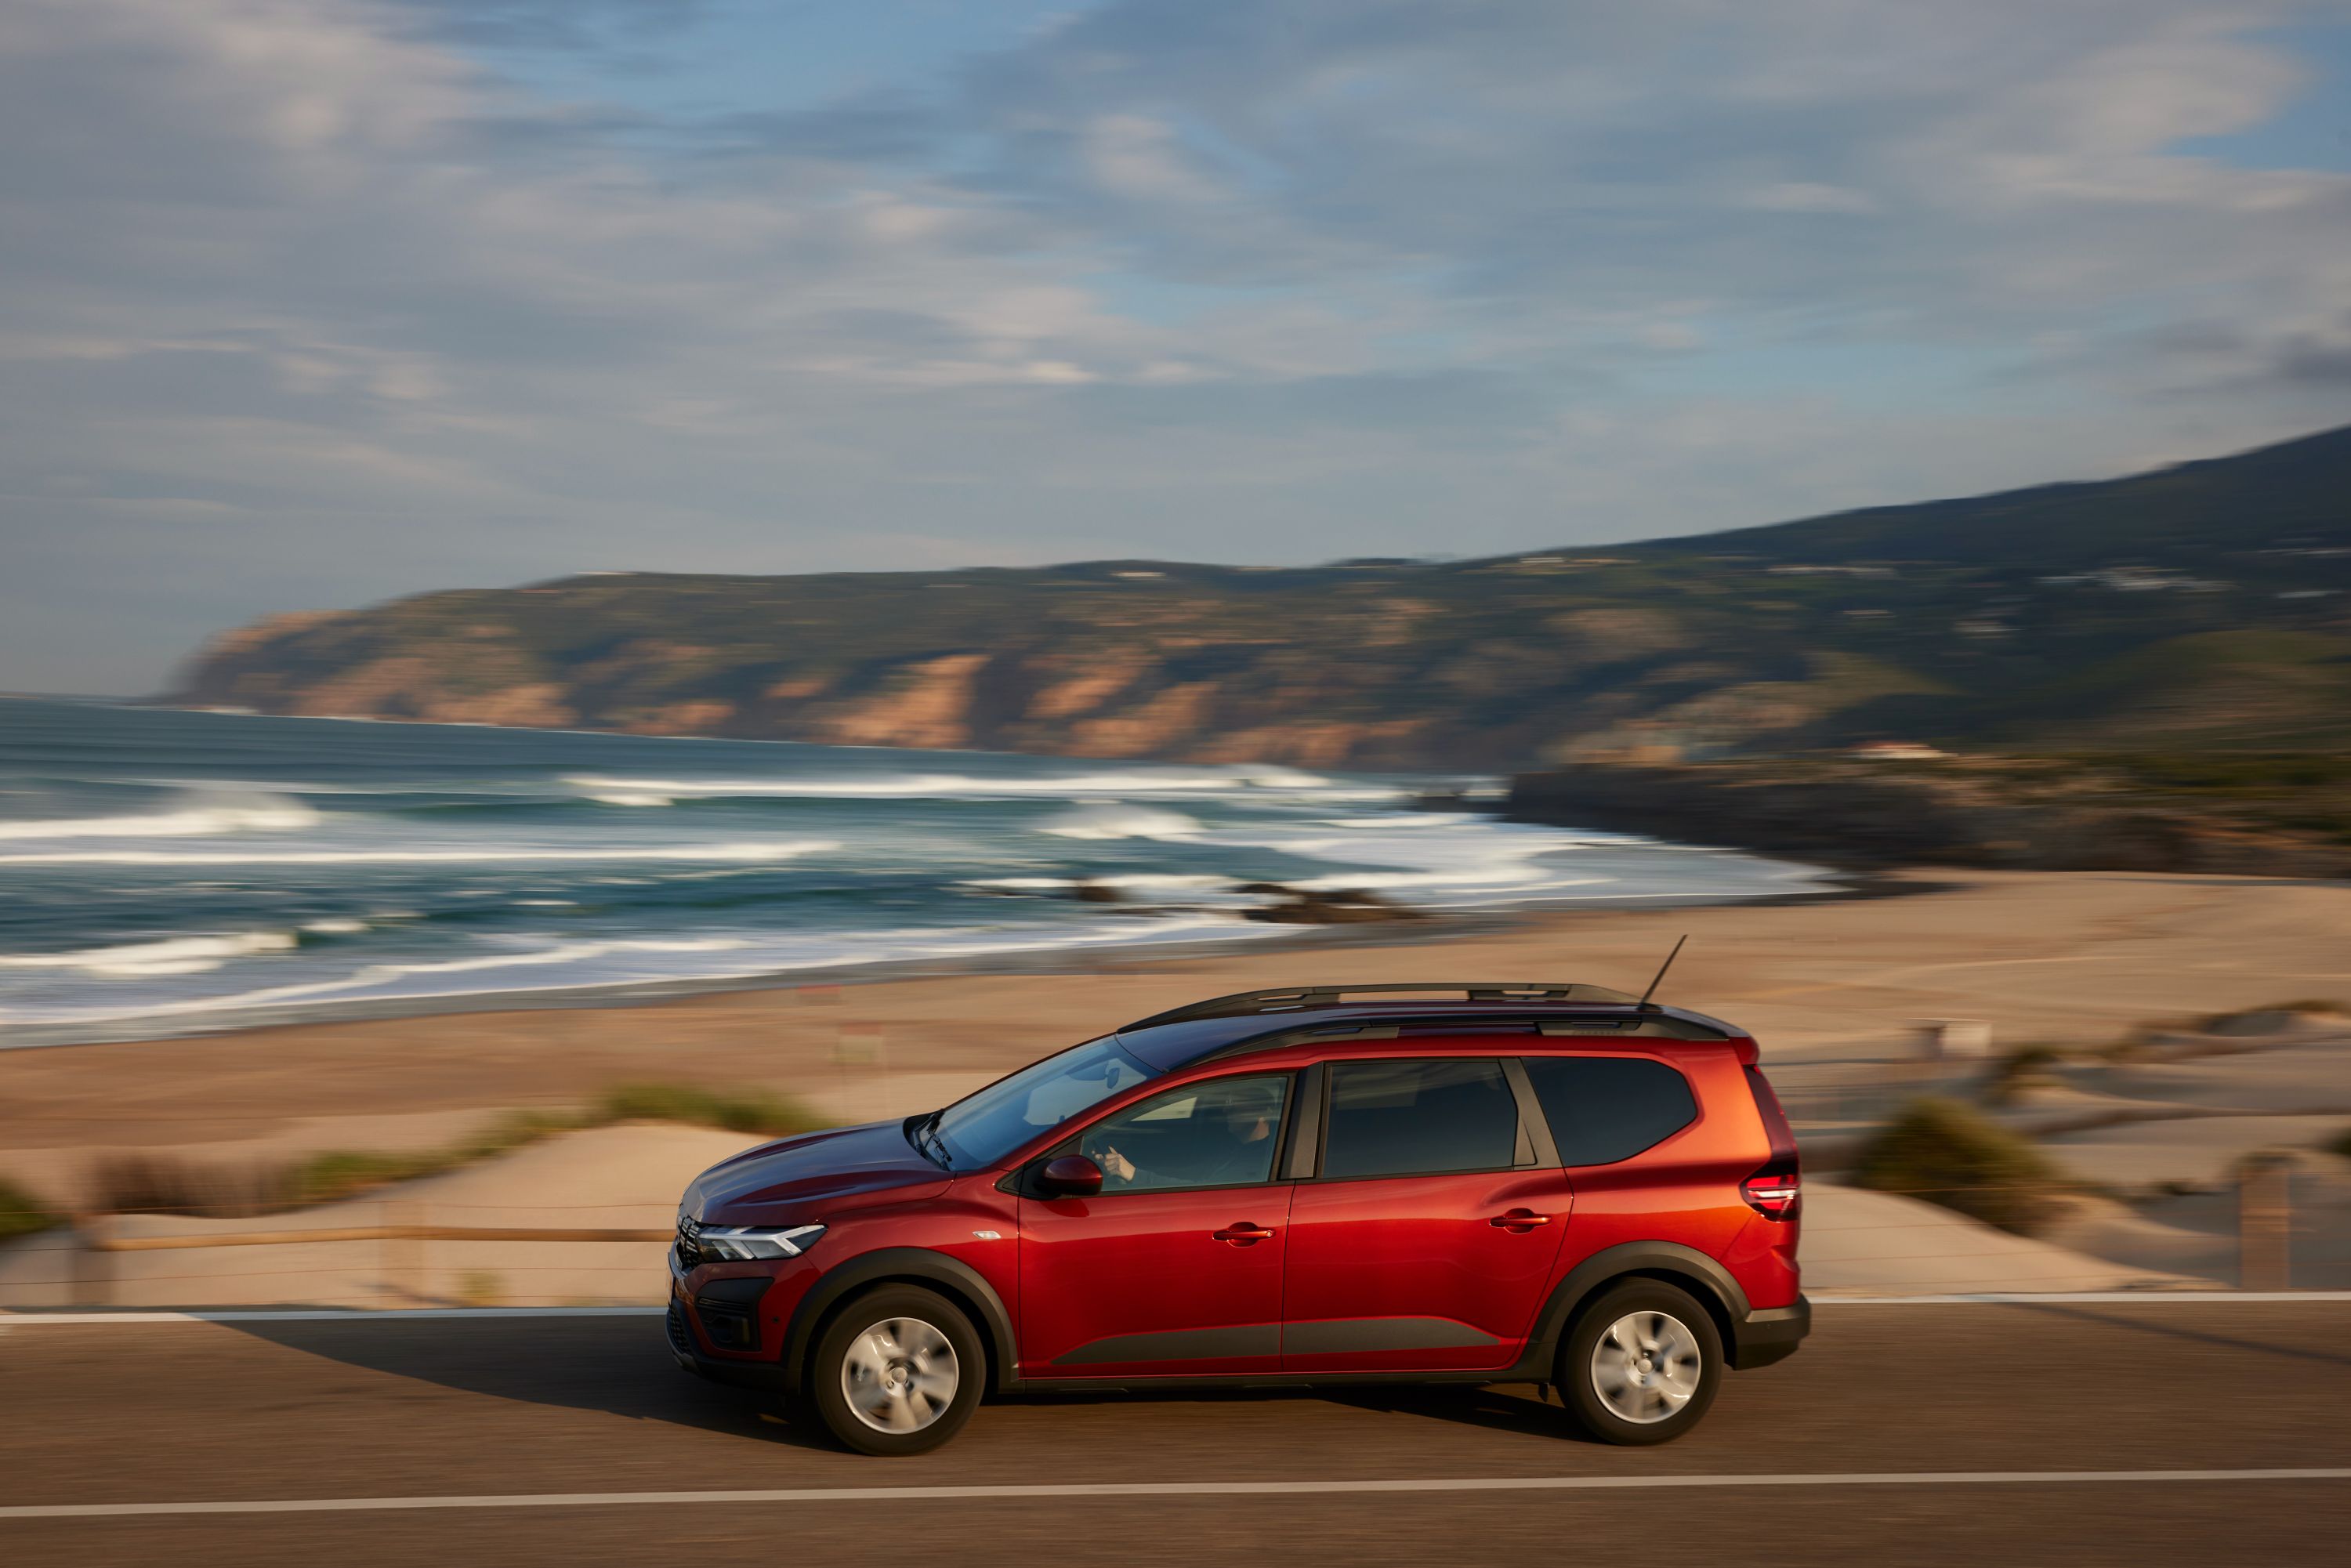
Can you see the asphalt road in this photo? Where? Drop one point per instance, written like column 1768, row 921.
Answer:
column 182, row 1413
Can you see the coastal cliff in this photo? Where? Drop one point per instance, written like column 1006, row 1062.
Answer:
column 2204, row 605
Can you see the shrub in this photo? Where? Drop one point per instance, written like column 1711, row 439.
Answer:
column 480, row 1287
column 145, row 1183
column 752, row 1111
column 336, row 1173
column 515, row 1130
column 21, row 1214
column 2299, row 1005
column 1945, row 1153
column 166, row 1184
column 2017, row 1069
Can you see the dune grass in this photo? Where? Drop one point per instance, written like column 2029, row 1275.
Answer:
column 21, row 1214
column 2305, row 1004
column 744, row 1110
column 2019, row 1069
column 334, row 1174
column 143, row 1184
column 1949, row 1154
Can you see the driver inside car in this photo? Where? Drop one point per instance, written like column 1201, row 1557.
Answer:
column 1225, row 1138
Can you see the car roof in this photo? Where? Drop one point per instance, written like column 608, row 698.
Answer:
column 1227, row 1027
column 1293, row 999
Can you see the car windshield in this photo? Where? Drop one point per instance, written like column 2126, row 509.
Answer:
column 990, row 1125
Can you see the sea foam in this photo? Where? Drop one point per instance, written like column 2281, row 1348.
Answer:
column 619, row 790
column 194, row 820
column 753, row 851
column 173, row 956
column 1115, row 820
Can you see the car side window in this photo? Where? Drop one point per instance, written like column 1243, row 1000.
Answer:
column 1419, row 1118
column 1221, row 1132
column 1603, row 1109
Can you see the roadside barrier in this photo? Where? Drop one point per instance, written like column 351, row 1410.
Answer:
column 392, row 1263
column 104, row 1243
column 397, row 1275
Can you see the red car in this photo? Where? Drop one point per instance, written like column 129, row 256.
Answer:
column 1551, row 1183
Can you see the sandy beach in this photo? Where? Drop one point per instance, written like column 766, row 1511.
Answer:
column 1831, row 987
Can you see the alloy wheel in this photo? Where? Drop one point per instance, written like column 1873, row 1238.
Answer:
column 900, row 1375
column 1645, row 1367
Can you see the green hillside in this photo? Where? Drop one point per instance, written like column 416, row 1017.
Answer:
column 2199, row 607
column 2207, row 515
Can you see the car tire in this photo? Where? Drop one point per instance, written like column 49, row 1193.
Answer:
column 1641, row 1364
column 897, row 1370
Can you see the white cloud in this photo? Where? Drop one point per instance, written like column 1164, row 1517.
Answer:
column 305, row 304
column 1808, row 196
column 1140, row 158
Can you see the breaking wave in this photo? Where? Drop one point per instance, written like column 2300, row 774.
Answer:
column 1112, row 821
column 1133, row 881
column 173, row 956
column 216, row 869
column 591, row 966
column 192, row 821
column 626, row 791
column 753, row 852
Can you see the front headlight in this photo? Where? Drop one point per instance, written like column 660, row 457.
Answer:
column 745, row 1243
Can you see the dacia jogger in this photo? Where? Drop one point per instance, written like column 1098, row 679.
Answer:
column 1555, row 1184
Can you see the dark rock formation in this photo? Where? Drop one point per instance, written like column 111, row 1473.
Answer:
column 1971, row 813
column 1339, row 906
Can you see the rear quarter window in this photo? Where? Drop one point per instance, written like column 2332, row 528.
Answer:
column 1603, row 1109
column 1420, row 1118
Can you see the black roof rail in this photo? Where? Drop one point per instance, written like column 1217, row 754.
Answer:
column 1635, row 1025
column 1296, row 999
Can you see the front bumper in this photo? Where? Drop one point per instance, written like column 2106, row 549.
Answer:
column 1771, row 1334
column 765, row 1375
column 716, row 1315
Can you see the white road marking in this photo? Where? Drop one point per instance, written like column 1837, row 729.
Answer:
column 1166, row 1489
column 2034, row 1297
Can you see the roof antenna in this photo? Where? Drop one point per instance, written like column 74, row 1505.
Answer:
column 1661, row 972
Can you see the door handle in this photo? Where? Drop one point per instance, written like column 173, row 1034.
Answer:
column 1244, row 1234
column 1519, row 1221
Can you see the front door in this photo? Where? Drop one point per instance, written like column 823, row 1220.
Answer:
column 1175, row 1267
column 1427, row 1238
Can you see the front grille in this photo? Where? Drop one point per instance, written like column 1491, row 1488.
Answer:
column 689, row 1243
column 679, row 1340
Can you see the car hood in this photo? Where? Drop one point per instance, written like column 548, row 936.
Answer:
column 783, row 1180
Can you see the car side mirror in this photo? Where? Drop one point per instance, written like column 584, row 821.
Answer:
column 1071, row 1175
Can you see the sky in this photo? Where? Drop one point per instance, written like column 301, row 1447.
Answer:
column 309, row 303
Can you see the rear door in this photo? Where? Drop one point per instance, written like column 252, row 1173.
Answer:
column 1426, row 1236
column 1175, row 1269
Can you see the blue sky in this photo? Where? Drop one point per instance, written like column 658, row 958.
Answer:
column 314, row 302
column 692, row 62
column 2312, row 129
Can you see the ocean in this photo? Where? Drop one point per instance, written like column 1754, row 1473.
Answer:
column 163, row 872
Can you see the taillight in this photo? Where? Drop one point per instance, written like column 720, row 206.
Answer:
column 1775, row 1191
column 1774, row 1195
